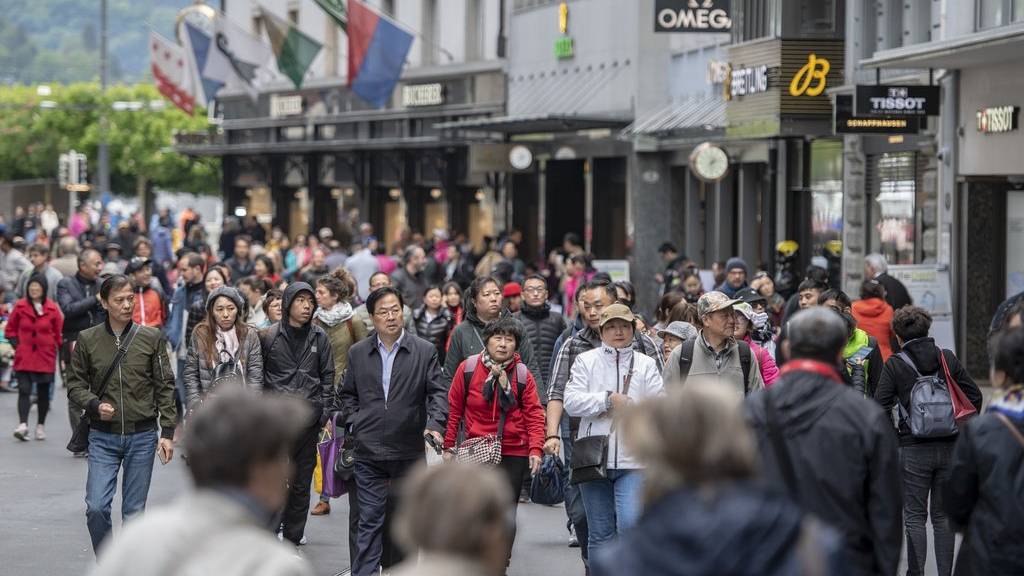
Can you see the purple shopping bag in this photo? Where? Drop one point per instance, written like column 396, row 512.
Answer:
column 332, row 440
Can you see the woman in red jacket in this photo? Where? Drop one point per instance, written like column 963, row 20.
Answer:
column 34, row 329
column 499, row 382
column 874, row 316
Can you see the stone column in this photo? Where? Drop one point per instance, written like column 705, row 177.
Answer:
column 651, row 193
column 854, row 214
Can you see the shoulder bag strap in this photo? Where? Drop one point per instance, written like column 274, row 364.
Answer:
column 779, row 447
column 121, row 352
column 1013, row 429
column 745, row 352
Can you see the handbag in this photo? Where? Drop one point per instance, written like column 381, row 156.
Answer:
column 486, row 449
column 328, row 451
column 548, row 486
column 962, row 407
column 80, row 436
column 590, row 453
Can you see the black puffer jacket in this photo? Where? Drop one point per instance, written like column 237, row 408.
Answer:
column 544, row 328
column 76, row 297
column 467, row 340
column 898, row 380
column 983, row 495
column 434, row 331
column 310, row 375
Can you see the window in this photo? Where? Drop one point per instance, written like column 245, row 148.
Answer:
column 992, row 13
column 817, row 16
column 826, row 194
column 293, row 15
column 902, row 210
column 756, row 19
column 1018, row 10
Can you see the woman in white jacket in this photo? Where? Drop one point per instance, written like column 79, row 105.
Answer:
column 596, row 392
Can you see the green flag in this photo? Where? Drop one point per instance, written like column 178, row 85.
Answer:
column 294, row 50
column 336, row 10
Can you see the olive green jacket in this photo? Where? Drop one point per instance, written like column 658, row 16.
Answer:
column 141, row 389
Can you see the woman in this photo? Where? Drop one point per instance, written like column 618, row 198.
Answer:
column 765, row 361
column 626, row 293
column 335, row 315
column 925, row 461
column 264, row 269
column 224, row 350
column 215, row 277
column 673, row 336
column 874, row 316
column 453, row 301
column 297, row 257
column 668, row 302
column 34, row 329
column 602, row 383
column 272, row 307
column 705, row 513
column 693, row 286
column 433, row 320
column 774, row 302
column 983, row 494
column 494, row 388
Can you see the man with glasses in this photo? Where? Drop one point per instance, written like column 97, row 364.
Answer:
column 379, row 280
column 543, row 327
column 393, row 396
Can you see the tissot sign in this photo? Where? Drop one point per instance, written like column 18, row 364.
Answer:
column 692, row 16
column 897, row 100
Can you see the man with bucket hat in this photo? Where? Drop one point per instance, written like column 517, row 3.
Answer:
column 715, row 353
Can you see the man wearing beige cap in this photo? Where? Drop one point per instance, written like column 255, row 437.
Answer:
column 714, row 353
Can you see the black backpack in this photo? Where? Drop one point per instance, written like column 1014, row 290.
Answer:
column 686, row 360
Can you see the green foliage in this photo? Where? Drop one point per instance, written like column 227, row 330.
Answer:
column 32, row 137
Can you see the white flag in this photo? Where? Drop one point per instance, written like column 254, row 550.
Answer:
column 171, row 72
column 237, row 58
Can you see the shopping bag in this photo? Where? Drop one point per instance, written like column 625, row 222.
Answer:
column 328, row 452
column 318, row 480
column 962, row 407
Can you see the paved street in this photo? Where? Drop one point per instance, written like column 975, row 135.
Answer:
column 43, row 509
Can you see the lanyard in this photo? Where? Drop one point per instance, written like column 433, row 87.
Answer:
column 813, row 366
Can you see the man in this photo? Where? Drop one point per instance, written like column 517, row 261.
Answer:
column 79, row 301
column 143, row 248
column 189, row 291
column 114, row 258
column 715, row 353
column 736, row 273
column 543, row 327
column 254, row 289
column 807, row 294
column 670, row 278
column 240, row 264
column 149, row 301
column 12, row 265
column 297, row 361
column 862, row 357
column 337, row 257
column 595, row 297
column 316, row 269
column 67, row 256
column 377, row 281
column 39, row 256
column 409, row 279
column 394, row 395
column 510, row 252
column 240, row 472
column 512, row 297
column 124, row 421
column 833, row 450
column 876, row 267
column 363, row 264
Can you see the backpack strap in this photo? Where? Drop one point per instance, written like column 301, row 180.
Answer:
column 467, row 376
column 903, row 356
column 745, row 362
column 686, row 359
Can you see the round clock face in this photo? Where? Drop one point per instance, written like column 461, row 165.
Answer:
column 709, row 162
column 520, row 157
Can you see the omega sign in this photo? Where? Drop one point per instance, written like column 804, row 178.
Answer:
column 997, row 120
column 897, row 100
column 692, row 16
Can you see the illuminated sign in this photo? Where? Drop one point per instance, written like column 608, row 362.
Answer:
column 744, row 81
column 810, row 79
column 692, row 16
column 997, row 120
column 423, row 94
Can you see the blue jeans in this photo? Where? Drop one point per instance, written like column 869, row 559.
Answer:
column 107, row 454
column 573, row 503
column 612, row 504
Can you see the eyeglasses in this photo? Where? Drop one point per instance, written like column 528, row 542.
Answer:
column 389, row 313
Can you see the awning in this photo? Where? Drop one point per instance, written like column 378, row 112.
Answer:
column 534, row 123
column 704, row 114
column 1003, row 44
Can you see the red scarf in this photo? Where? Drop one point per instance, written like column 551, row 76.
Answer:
column 813, row 366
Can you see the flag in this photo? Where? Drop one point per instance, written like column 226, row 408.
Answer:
column 198, row 44
column 294, row 50
column 237, row 57
column 336, row 10
column 377, row 48
column 171, row 72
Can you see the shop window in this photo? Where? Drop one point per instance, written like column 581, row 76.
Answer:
column 902, row 209
column 992, row 13
column 826, row 194
column 817, row 16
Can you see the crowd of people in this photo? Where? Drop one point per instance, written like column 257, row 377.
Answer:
column 739, row 430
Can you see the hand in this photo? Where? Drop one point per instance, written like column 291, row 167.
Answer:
column 106, row 411
column 619, row 401
column 552, row 446
column 659, row 278
column 534, row 465
column 448, row 456
column 165, row 450
column 437, row 436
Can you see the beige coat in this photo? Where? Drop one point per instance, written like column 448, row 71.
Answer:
column 203, row 533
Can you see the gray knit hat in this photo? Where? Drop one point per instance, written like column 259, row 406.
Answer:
column 227, row 291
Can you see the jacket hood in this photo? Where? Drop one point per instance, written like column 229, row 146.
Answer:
column 802, row 400
column 291, row 292
column 738, row 529
column 871, row 307
column 925, row 355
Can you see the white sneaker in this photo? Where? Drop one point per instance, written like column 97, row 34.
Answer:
column 21, row 432
column 303, row 541
column 40, row 432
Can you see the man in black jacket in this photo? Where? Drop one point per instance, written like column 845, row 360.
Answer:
column 297, row 361
column 543, row 326
column 79, row 301
column 393, row 396
column 876, row 267
column 829, row 447
column 241, row 263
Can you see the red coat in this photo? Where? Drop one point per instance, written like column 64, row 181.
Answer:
column 524, row 424
column 149, row 308
column 38, row 336
column 874, row 316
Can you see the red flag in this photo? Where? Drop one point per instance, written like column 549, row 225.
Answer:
column 171, row 72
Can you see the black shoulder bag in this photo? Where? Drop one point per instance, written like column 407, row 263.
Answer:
column 80, row 437
column 590, row 453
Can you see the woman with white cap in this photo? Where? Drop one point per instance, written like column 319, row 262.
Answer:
column 744, row 321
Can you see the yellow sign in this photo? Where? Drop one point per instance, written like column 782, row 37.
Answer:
column 563, row 17
column 815, row 69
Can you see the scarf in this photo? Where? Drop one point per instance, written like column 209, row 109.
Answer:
column 497, row 372
column 334, row 315
column 1009, row 402
column 38, row 306
column 227, row 344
